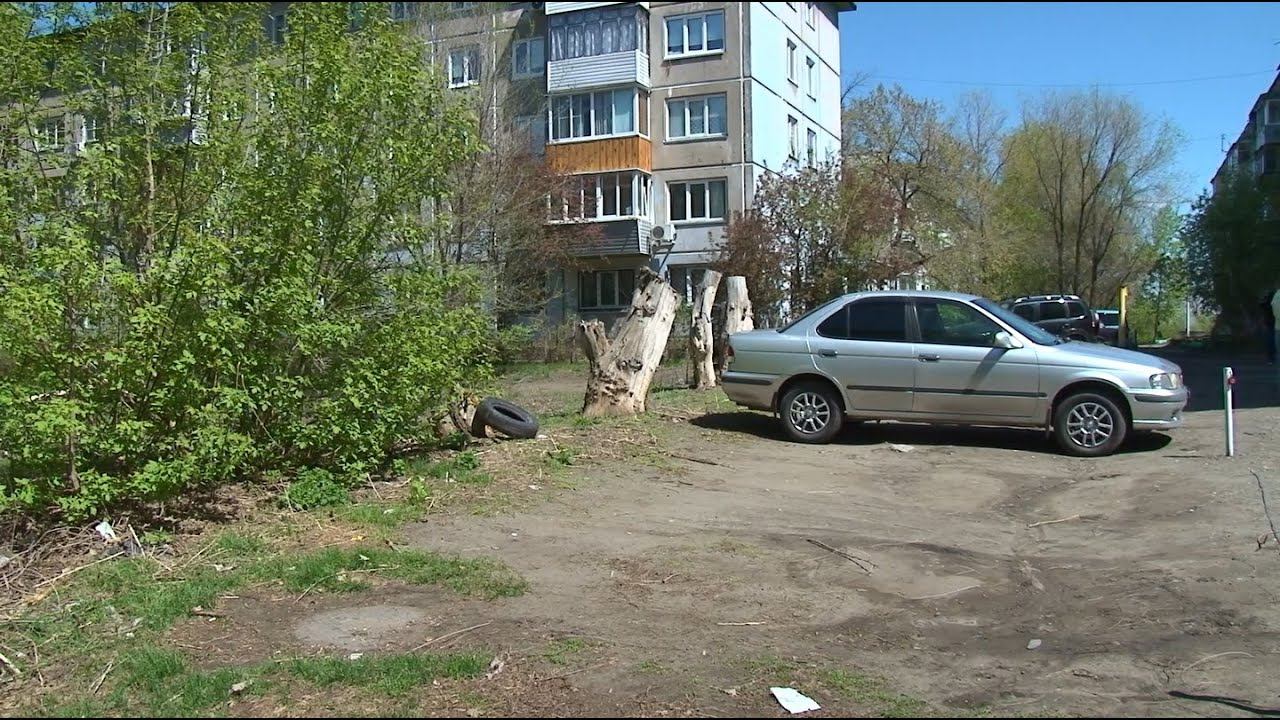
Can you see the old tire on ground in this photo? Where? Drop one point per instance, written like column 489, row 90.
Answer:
column 811, row 413
column 1089, row 425
column 504, row 417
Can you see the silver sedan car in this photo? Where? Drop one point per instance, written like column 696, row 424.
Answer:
column 949, row 358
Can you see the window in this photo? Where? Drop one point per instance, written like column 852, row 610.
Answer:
column 1271, row 159
column 598, row 32
column 1026, row 311
column 793, row 138
column 685, row 279
column 811, row 69
column 527, row 57
column 277, row 25
column 529, row 126
column 1055, row 310
column 51, row 134
column 88, row 130
column 811, row 148
column 399, row 11
column 696, row 117
column 464, row 66
column 811, row 13
column 869, row 320
column 599, row 114
column 697, row 201
column 601, row 197
column 791, row 63
column 1075, row 309
column 1273, row 112
column 695, row 34
column 950, row 323
column 606, row 288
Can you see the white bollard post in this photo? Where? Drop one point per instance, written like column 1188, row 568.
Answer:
column 1228, row 380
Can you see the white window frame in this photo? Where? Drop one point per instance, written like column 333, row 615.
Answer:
column 636, row 108
column 688, row 102
column 593, row 186
column 812, row 79
column 470, row 75
column 810, row 13
column 684, row 41
column 792, row 70
column 43, row 135
column 793, row 138
column 526, row 45
column 707, row 183
column 277, row 26
column 89, row 124
column 811, row 147
column 595, row 275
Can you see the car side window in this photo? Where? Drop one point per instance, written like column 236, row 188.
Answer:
column 943, row 322
column 1026, row 311
column 873, row 320
column 1075, row 309
column 1053, row 310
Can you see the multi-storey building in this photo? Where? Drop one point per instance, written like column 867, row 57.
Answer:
column 1257, row 150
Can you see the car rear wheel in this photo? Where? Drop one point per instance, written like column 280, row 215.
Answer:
column 811, row 413
column 1089, row 425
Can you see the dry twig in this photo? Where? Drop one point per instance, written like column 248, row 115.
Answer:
column 860, row 562
column 1266, row 510
column 454, row 634
column 1053, row 522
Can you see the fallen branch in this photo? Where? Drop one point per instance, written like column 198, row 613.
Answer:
column 860, row 562
column 740, row 624
column 206, row 613
column 698, row 460
column 67, row 573
column 455, row 633
column 1233, row 702
column 1266, row 510
column 101, row 678
column 572, row 672
column 950, row 592
column 1053, row 522
column 9, row 664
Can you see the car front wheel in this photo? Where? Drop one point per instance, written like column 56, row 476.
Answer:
column 811, row 413
column 1089, row 425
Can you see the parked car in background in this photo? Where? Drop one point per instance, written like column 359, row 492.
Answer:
column 1064, row 315
column 923, row 356
column 1108, row 326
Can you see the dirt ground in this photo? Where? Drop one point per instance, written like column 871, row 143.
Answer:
column 687, row 584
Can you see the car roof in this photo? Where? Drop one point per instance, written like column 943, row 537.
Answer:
column 932, row 294
column 1042, row 298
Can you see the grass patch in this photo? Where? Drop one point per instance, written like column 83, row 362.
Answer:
column 463, row 468
column 390, row 675
column 562, row 457
column 379, row 515
column 560, row 651
column 871, row 693
column 240, row 544
column 340, row 570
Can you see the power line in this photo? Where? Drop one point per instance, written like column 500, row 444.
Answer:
column 1206, row 78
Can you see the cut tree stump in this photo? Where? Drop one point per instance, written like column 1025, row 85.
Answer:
column 700, row 337
column 737, row 313
column 621, row 370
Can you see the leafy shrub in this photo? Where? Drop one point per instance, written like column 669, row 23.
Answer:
column 315, row 488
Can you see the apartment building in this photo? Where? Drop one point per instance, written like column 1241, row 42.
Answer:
column 664, row 114
column 1257, row 150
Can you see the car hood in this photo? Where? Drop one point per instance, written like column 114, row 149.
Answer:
column 1095, row 355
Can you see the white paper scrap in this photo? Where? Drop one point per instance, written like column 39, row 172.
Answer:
column 792, row 701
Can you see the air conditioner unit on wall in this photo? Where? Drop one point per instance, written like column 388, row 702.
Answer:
column 663, row 233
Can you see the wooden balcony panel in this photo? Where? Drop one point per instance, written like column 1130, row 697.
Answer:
column 591, row 156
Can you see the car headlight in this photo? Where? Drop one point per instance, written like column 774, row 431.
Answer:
column 1166, row 381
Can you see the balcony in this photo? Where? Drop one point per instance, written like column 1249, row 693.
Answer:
column 629, row 152
column 1267, row 135
column 629, row 236
column 581, row 73
column 555, row 8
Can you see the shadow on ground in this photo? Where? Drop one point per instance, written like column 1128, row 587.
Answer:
column 874, row 433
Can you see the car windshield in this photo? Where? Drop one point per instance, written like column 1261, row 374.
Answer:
column 820, row 308
column 1029, row 330
column 1109, row 317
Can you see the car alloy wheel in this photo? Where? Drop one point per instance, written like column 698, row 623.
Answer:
column 1090, row 425
column 810, row 413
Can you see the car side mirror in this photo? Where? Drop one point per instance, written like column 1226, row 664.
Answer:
column 1006, row 341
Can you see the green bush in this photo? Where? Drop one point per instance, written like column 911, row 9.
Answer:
column 175, row 315
column 315, row 488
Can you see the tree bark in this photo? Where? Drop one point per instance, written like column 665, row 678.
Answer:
column 621, row 370
column 738, row 317
column 700, row 337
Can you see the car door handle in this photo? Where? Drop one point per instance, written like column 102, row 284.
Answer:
column 828, row 353
column 928, row 358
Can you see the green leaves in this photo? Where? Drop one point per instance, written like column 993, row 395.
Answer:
column 208, row 292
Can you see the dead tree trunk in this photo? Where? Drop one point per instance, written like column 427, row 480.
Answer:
column 621, row 370
column 700, row 337
column 738, row 317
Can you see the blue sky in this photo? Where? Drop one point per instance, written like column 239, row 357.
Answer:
column 998, row 45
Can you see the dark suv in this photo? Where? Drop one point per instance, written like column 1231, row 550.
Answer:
column 1066, row 316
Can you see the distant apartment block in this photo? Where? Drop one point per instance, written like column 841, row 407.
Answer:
column 1257, row 150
